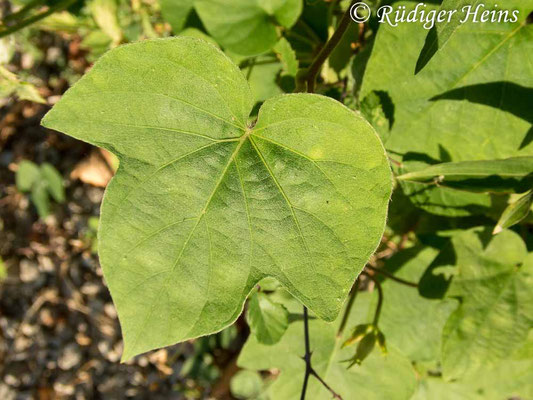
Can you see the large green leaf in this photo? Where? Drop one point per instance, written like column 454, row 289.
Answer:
column 494, row 278
column 492, row 58
column 204, row 205
column 383, row 377
column 247, row 27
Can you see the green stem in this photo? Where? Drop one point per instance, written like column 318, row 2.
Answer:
column 22, row 12
column 31, row 20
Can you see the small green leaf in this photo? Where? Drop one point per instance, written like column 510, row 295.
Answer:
column 515, row 212
column 509, row 175
column 380, row 338
column 287, row 57
column 251, row 29
column 203, row 205
column 364, row 348
column 11, row 84
column 246, row 385
column 268, row 320
column 27, row 175
column 357, row 334
column 54, row 182
column 40, row 199
column 104, row 13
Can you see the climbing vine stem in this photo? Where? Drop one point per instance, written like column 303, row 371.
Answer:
column 309, row 77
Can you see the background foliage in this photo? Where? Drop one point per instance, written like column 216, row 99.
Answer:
column 443, row 309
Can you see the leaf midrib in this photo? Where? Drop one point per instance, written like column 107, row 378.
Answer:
column 249, row 133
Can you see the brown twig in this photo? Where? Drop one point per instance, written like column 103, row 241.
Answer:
column 312, row 72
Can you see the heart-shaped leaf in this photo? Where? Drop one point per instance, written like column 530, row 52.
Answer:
column 204, row 205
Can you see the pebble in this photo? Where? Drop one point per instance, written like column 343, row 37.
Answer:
column 29, row 271
column 70, row 357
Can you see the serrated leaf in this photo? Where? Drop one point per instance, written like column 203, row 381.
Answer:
column 248, row 27
column 493, row 279
column 515, row 212
column 425, row 128
column 383, row 377
column 268, row 320
column 439, row 35
column 204, row 206
column 27, row 175
column 54, row 182
column 511, row 175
